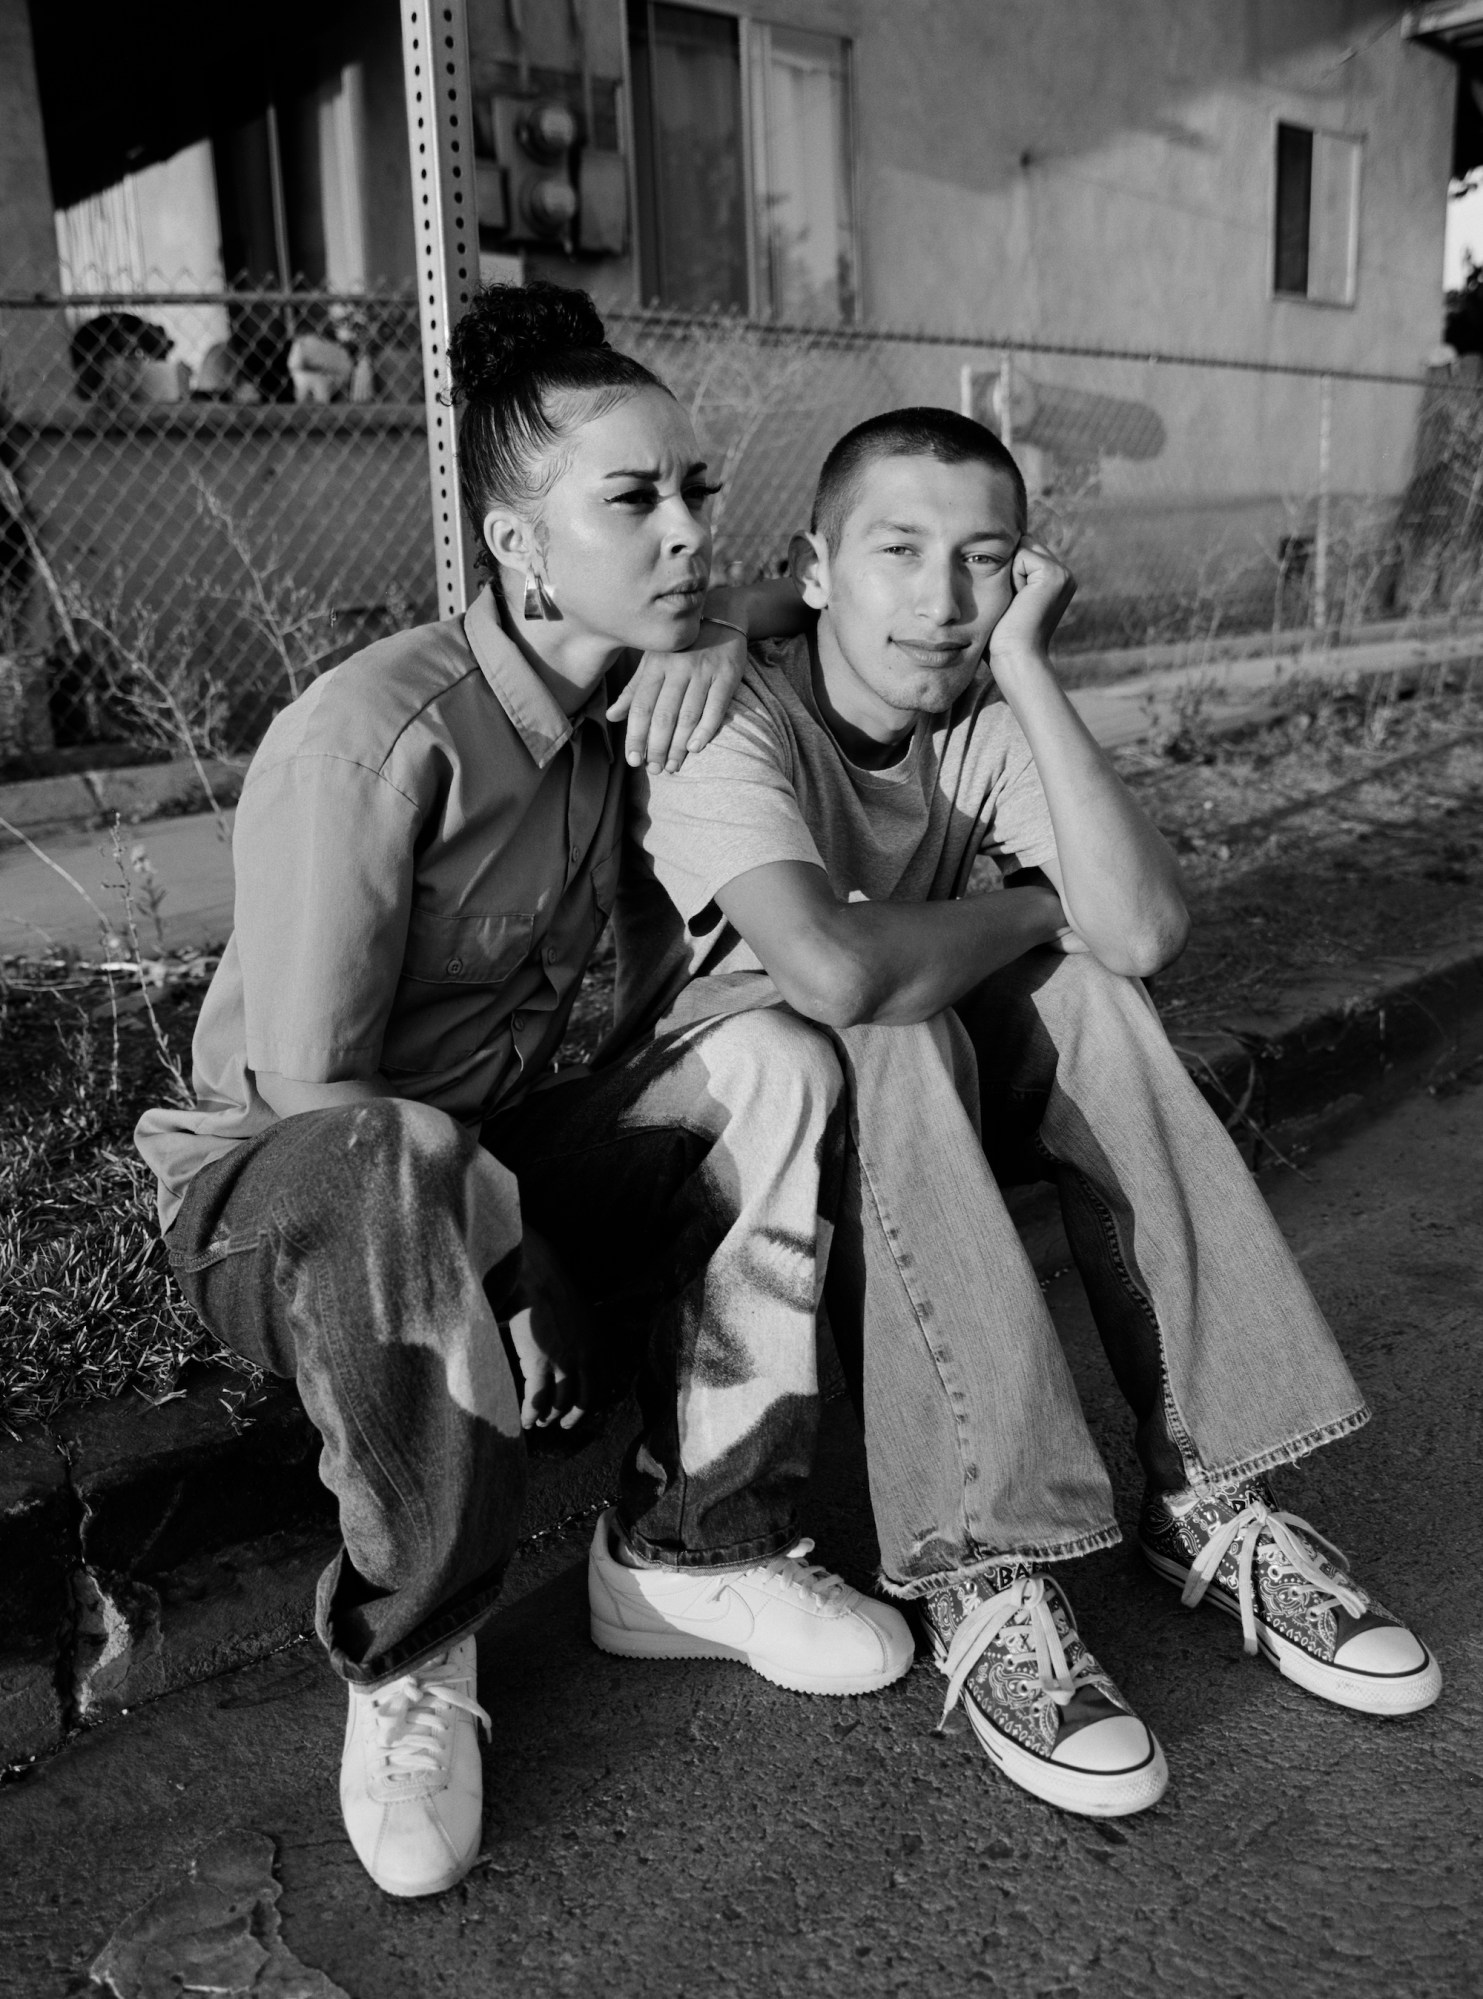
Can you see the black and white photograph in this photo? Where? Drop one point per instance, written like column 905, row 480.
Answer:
column 741, row 999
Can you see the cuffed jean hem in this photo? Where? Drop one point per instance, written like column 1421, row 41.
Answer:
column 444, row 1627
column 1060, row 1551
column 745, row 1555
column 1218, row 1479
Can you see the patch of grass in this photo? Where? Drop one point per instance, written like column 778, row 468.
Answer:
column 1344, row 830
column 87, row 1304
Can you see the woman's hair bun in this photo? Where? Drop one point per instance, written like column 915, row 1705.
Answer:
column 507, row 329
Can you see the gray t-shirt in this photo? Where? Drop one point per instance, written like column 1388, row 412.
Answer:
column 774, row 785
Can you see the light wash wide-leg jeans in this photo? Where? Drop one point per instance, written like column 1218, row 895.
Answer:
column 978, row 1449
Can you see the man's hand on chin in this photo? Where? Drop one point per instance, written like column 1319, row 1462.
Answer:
column 1043, row 587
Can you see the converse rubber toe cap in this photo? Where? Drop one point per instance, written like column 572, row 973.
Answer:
column 787, row 1618
column 1385, row 1648
column 1121, row 1742
column 1046, row 1714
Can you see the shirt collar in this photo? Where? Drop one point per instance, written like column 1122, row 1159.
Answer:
column 533, row 710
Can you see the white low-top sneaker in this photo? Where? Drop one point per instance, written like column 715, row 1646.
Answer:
column 411, row 1786
column 787, row 1618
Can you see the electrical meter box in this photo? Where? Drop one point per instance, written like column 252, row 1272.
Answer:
column 544, row 186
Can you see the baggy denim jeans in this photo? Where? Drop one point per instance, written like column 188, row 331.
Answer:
column 369, row 1253
column 977, row 1446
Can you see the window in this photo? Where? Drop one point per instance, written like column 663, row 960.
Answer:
column 743, row 156
column 1317, row 215
column 152, row 231
column 693, row 234
column 801, row 172
column 290, row 183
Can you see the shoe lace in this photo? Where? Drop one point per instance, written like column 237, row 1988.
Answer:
column 808, row 1579
column 1023, row 1603
column 1243, row 1532
column 413, row 1720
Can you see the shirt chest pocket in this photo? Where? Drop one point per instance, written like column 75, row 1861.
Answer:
column 467, row 950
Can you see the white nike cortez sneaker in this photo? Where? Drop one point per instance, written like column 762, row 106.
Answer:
column 786, row 1618
column 411, row 1786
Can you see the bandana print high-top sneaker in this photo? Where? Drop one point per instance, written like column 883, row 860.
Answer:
column 1037, row 1700
column 1297, row 1602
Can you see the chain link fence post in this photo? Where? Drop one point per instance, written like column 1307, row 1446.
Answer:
column 440, row 139
column 1322, row 526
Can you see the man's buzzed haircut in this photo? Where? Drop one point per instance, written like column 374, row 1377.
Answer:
column 911, row 433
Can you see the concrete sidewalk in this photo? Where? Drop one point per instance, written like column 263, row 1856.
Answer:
column 681, row 1830
column 40, row 912
column 1129, row 711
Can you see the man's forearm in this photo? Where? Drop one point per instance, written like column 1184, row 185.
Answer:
column 894, row 963
column 288, row 1096
column 1119, row 879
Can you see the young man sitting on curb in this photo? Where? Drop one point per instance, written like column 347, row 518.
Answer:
column 818, row 853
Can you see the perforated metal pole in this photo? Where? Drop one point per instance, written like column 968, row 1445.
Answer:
column 440, row 136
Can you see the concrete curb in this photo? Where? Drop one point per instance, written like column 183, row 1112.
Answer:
column 143, row 1547
column 42, row 806
column 1419, row 635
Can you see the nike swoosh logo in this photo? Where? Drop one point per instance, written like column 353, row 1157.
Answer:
column 724, row 1607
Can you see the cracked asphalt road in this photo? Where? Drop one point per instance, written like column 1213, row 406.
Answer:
column 687, row 1829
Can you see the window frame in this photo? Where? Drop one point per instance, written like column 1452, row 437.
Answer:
column 647, row 235
column 753, row 35
column 756, row 50
column 1357, row 142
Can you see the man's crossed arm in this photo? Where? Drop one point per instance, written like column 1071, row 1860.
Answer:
column 891, row 963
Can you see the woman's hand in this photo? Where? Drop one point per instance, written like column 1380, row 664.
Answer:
column 676, row 701
column 553, row 1337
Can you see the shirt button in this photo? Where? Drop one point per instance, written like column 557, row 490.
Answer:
column 552, row 954
column 517, row 1021
column 576, row 854
column 455, row 966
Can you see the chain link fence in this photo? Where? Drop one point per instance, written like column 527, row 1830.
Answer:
column 1193, row 498
column 205, row 499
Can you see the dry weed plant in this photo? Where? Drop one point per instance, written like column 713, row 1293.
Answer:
column 87, row 1303
column 296, row 623
column 154, row 686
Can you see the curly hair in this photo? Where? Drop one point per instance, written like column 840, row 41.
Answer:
column 528, row 363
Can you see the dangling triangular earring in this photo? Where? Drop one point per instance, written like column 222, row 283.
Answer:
column 537, row 602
